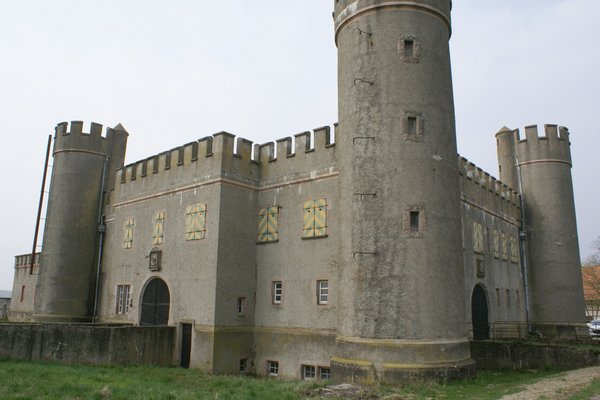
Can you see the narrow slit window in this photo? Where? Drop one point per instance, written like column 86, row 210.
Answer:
column 412, row 125
column 241, row 305
column 414, row 221
column 409, row 48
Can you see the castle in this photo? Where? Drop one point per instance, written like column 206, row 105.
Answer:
column 364, row 251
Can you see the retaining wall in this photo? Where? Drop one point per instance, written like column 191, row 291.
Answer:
column 88, row 344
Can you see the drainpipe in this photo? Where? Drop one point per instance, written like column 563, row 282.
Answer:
column 522, row 247
column 101, row 230
column 40, row 205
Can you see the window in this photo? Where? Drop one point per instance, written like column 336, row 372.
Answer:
column 309, row 372
column 22, row 293
column 128, row 230
column 514, row 250
column 244, row 365
column 518, row 298
column 504, row 247
column 496, row 244
column 315, row 219
column 411, row 125
column 195, row 221
column 159, row 228
column 241, row 305
column 409, row 48
column 322, row 292
column 123, row 297
column 267, row 225
column 272, row 368
column 478, row 238
column 277, row 292
column 414, row 221
column 497, row 297
column 324, row 373
column 507, row 298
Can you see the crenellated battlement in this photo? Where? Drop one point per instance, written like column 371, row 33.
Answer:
column 481, row 188
column 70, row 136
column 553, row 146
column 224, row 154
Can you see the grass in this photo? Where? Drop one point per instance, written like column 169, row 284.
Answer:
column 24, row 380
column 588, row 392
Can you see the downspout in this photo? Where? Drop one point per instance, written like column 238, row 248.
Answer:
column 40, row 205
column 522, row 248
column 101, row 230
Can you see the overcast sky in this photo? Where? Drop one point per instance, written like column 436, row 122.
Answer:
column 175, row 71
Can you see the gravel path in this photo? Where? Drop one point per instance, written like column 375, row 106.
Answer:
column 558, row 387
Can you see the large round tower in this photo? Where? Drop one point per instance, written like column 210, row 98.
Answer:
column 84, row 164
column 402, row 306
column 553, row 249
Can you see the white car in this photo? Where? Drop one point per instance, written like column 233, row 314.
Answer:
column 594, row 327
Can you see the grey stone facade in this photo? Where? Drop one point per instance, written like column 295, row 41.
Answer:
column 353, row 250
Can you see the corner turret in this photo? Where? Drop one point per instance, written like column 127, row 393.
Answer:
column 83, row 168
column 555, row 280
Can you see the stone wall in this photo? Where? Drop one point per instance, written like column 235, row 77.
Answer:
column 88, row 344
column 515, row 355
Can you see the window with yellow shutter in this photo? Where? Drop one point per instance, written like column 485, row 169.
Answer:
column 195, row 221
column 267, row 225
column 159, row 228
column 128, row 230
column 314, row 219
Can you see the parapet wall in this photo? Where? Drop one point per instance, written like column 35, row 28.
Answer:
column 554, row 146
column 68, row 137
column 224, row 155
column 480, row 188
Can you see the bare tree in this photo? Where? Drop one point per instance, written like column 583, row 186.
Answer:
column 591, row 282
column 594, row 259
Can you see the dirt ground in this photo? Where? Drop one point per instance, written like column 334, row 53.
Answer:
column 558, row 387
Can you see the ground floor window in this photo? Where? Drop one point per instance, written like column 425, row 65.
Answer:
column 244, row 365
column 324, row 373
column 123, row 297
column 308, row 372
column 272, row 368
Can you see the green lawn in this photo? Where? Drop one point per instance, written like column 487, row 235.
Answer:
column 23, row 380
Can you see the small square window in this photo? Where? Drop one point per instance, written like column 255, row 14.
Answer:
column 277, row 292
column 272, row 368
column 241, row 305
column 324, row 373
column 309, row 372
column 322, row 292
column 243, row 365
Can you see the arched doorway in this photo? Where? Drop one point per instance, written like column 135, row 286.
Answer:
column 155, row 303
column 479, row 314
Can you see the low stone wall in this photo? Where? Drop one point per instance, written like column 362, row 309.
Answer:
column 521, row 355
column 88, row 344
